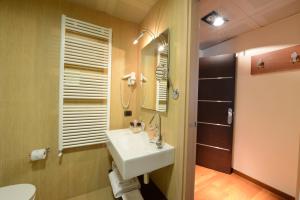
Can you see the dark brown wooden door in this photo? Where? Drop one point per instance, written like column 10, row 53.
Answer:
column 215, row 112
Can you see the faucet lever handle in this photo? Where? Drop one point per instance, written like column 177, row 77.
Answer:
column 151, row 127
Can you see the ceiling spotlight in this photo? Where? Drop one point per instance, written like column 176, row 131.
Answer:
column 219, row 21
column 215, row 19
column 161, row 48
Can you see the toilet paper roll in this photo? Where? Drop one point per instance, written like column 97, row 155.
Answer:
column 38, row 154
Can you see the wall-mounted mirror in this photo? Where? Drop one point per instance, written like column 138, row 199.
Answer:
column 154, row 73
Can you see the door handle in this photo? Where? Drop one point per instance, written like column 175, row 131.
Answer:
column 229, row 116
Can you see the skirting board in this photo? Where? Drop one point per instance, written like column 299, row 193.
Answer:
column 263, row 185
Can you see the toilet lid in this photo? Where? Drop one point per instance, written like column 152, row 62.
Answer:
column 20, row 192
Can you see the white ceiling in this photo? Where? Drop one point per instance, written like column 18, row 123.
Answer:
column 129, row 10
column 243, row 16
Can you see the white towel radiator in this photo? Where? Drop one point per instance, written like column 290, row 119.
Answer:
column 85, row 75
column 162, row 85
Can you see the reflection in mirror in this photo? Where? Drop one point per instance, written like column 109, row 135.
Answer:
column 154, row 76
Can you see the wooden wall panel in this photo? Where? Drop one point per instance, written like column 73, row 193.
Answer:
column 29, row 77
column 274, row 61
column 172, row 15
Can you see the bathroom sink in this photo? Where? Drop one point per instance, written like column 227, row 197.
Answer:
column 134, row 155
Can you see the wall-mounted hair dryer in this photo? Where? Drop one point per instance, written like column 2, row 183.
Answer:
column 131, row 78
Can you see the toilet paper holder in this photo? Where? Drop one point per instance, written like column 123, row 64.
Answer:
column 47, row 150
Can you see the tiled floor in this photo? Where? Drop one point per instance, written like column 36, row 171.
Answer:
column 213, row 185
column 103, row 194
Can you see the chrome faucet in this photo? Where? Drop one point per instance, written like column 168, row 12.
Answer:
column 158, row 130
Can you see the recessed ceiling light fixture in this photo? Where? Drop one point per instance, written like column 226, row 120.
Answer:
column 215, row 19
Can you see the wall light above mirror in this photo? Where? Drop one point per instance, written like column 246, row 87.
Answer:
column 162, row 41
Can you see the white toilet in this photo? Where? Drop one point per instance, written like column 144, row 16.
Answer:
column 18, row 192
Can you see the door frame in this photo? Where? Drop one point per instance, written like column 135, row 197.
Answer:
column 191, row 101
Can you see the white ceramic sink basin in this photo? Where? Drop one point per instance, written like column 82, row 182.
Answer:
column 134, row 155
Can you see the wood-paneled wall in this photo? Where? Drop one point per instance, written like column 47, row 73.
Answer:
column 29, row 80
column 172, row 15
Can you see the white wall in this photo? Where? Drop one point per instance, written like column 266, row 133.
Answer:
column 267, row 128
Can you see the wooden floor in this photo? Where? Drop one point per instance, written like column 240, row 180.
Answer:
column 213, row 185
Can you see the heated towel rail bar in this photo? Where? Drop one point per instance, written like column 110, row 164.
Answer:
column 85, row 75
